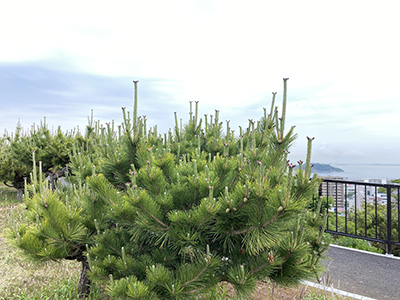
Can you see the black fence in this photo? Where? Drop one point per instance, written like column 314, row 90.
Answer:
column 363, row 210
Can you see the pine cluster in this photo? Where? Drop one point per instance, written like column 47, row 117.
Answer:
column 171, row 216
column 53, row 149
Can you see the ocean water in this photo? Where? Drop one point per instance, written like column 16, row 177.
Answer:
column 365, row 171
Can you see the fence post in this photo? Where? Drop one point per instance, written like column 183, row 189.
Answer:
column 389, row 219
column 320, row 197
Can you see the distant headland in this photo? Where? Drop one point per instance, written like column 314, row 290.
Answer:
column 324, row 168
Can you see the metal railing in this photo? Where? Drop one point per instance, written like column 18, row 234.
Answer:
column 363, row 210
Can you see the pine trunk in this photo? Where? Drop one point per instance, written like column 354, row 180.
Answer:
column 20, row 193
column 84, row 281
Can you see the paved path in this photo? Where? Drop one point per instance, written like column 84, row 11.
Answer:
column 374, row 276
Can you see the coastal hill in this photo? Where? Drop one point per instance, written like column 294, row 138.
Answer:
column 325, row 168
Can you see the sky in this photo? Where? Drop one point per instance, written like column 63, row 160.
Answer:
column 61, row 60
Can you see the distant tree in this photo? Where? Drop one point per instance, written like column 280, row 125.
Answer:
column 53, row 149
column 16, row 151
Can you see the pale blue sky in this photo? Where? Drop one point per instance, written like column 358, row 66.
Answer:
column 342, row 58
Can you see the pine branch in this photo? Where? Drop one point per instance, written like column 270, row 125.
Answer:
column 156, row 189
column 259, row 268
column 273, row 218
column 195, row 290
column 56, row 225
column 286, row 257
column 26, row 249
column 241, row 204
column 233, row 180
column 167, row 174
column 198, row 275
column 153, row 217
column 269, row 222
column 194, row 197
column 5, row 183
column 203, row 221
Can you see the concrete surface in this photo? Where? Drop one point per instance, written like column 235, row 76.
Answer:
column 362, row 273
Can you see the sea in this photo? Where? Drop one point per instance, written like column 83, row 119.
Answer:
column 365, row 171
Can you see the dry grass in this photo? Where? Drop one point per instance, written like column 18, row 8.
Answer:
column 21, row 278
column 269, row 291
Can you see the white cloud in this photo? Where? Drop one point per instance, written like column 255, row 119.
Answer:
column 341, row 56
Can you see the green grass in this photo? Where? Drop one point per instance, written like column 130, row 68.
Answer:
column 356, row 244
column 320, row 296
column 63, row 290
column 8, row 195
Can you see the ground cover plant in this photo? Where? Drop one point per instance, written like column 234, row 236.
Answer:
column 171, row 216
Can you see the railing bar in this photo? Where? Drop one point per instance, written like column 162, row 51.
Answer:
column 376, row 212
column 365, row 210
column 355, row 209
column 345, row 208
column 320, row 192
column 364, row 183
column 398, row 215
column 327, row 204
column 336, row 205
column 389, row 219
column 392, row 191
column 360, row 237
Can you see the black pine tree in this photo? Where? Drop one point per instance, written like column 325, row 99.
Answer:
column 200, row 207
column 171, row 216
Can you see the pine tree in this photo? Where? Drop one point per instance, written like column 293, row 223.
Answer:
column 15, row 154
column 171, row 216
column 61, row 222
column 200, row 207
column 52, row 149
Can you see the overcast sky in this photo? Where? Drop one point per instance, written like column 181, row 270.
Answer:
column 342, row 58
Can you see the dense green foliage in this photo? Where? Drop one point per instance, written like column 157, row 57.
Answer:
column 52, row 149
column 170, row 216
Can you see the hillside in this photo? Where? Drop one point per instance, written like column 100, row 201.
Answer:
column 325, row 168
